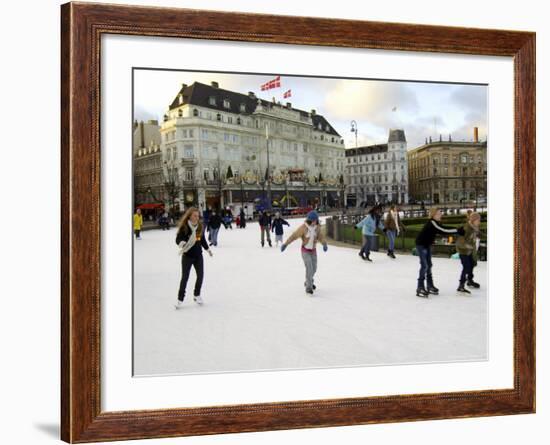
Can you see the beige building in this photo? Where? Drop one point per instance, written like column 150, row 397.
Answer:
column 219, row 144
column 449, row 172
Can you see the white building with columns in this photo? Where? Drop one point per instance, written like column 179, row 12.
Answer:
column 214, row 141
column 378, row 173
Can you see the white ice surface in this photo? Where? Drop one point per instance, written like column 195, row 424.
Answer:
column 257, row 316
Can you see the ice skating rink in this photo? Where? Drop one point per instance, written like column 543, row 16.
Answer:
column 257, row 315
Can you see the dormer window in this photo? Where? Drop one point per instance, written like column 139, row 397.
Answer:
column 180, row 113
column 242, row 108
column 180, row 99
column 226, row 103
column 212, row 100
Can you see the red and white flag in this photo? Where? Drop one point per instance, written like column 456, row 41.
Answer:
column 274, row 83
column 287, row 93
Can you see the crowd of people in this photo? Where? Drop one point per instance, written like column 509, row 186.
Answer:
column 195, row 235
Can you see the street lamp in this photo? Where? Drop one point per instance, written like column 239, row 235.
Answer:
column 355, row 130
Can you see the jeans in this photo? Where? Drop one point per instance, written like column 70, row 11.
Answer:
column 467, row 268
column 265, row 233
column 425, row 256
column 367, row 245
column 310, row 261
column 214, row 236
column 391, row 234
column 186, row 264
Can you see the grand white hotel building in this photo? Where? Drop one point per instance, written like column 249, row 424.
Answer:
column 214, row 141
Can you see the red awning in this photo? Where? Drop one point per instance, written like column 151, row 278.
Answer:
column 151, row 206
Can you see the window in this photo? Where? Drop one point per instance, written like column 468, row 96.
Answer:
column 188, row 151
column 195, row 112
column 205, row 174
column 219, row 117
column 226, row 103
column 191, row 133
column 242, row 108
column 204, row 133
column 212, row 100
column 180, row 113
column 189, row 174
column 229, row 119
column 238, row 121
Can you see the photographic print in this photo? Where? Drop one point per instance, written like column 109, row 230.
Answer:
column 286, row 222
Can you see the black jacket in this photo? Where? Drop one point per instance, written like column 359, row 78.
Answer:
column 215, row 221
column 431, row 229
column 265, row 220
column 277, row 225
column 196, row 250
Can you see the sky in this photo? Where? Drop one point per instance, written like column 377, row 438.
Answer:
column 422, row 109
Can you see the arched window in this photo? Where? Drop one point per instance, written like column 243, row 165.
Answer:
column 180, row 113
column 195, row 112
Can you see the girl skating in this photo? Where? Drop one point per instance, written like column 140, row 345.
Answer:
column 424, row 242
column 368, row 226
column 138, row 222
column 310, row 233
column 190, row 239
column 466, row 246
column 277, row 227
column 393, row 227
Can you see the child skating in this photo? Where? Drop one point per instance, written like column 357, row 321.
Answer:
column 310, row 233
column 424, row 242
column 368, row 226
column 190, row 239
column 277, row 227
column 466, row 246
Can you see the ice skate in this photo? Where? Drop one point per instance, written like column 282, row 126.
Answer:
column 421, row 292
column 179, row 304
column 197, row 299
column 433, row 290
column 472, row 283
column 309, row 291
column 462, row 290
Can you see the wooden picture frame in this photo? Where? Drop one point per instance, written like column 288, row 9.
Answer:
column 82, row 26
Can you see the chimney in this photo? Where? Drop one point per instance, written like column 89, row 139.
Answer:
column 183, row 86
column 251, row 95
column 450, row 138
column 440, row 138
column 289, row 105
column 214, row 84
column 476, row 134
column 141, row 135
column 430, row 139
column 313, row 112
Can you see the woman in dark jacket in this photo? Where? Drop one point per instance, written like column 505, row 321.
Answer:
column 424, row 242
column 190, row 239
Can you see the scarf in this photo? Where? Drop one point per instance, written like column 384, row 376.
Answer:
column 192, row 238
column 311, row 234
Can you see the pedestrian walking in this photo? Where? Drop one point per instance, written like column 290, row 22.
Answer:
column 368, row 225
column 214, row 224
column 265, row 226
column 393, row 227
column 466, row 246
column 138, row 222
column 190, row 239
column 424, row 242
column 277, row 227
column 310, row 233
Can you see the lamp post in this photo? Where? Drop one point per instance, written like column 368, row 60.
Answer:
column 355, row 130
column 268, row 171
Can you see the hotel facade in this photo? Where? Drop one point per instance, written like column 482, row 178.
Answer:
column 221, row 147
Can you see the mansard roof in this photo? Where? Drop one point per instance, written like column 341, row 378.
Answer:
column 199, row 94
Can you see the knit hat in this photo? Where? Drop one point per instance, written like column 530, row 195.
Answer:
column 312, row 216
